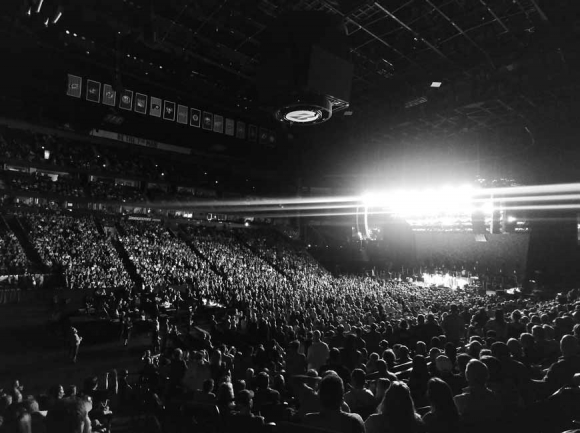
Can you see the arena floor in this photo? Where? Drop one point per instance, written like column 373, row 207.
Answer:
column 38, row 358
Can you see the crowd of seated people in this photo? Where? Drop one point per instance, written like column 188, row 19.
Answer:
column 163, row 259
column 110, row 191
column 74, row 246
column 242, row 268
column 507, row 366
column 13, row 260
column 16, row 144
column 89, row 407
column 39, row 183
column 338, row 353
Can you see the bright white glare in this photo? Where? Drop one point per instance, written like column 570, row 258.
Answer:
column 39, row 6
column 436, row 84
column 512, row 219
column 57, row 18
column 446, row 200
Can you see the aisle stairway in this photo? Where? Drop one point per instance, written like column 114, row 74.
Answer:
column 127, row 262
column 191, row 244
column 21, row 233
column 258, row 253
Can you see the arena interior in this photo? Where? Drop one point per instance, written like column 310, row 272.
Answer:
column 280, row 216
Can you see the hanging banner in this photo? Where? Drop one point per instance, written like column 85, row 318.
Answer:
column 241, row 130
column 218, row 124
column 109, row 95
column 264, row 136
column 155, row 108
column 74, row 86
column 207, row 121
column 230, row 127
column 169, row 110
column 272, row 139
column 140, row 103
column 252, row 133
column 126, row 100
column 93, row 91
column 195, row 117
column 182, row 114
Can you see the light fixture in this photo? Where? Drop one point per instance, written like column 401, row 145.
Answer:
column 303, row 116
column 58, row 15
column 436, row 84
column 75, row 35
column 29, row 12
column 46, row 23
column 39, row 6
column 67, row 32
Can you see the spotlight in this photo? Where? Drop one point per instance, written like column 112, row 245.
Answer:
column 67, row 32
column 29, row 12
column 39, row 6
column 436, row 84
column 46, row 23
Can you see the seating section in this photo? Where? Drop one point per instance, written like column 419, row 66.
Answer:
column 163, row 259
column 13, row 259
column 73, row 246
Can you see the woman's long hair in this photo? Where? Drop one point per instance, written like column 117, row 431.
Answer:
column 398, row 408
column 441, row 400
column 419, row 377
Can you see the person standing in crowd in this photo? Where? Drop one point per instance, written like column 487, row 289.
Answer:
column 126, row 328
column 454, row 326
column 74, row 343
column 317, row 352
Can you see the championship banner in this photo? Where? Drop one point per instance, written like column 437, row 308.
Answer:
column 272, row 139
column 195, row 118
column 252, row 133
column 241, row 130
column 182, row 111
column 74, row 86
column 93, row 91
column 140, row 103
column 169, row 110
column 155, row 109
column 218, row 124
column 126, row 100
column 230, row 127
column 207, row 121
column 264, row 136
column 109, row 95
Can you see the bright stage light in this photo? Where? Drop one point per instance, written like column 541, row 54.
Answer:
column 446, row 200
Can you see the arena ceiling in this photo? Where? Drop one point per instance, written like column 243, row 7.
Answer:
column 508, row 68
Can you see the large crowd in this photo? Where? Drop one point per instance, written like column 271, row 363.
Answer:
column 162, row 258
column 74, row 246
column 13, row 260
column 300, row 347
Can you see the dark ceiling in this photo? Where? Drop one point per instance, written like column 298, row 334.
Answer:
column 508, row 68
